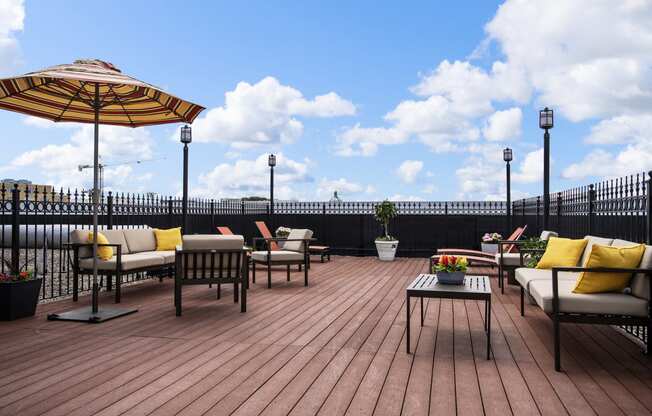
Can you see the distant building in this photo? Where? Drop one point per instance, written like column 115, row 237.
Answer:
column 31, row 191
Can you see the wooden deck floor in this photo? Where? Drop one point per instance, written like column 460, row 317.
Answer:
column 334, row 348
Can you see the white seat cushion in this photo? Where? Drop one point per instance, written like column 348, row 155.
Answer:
column 297, row 234
column 168, row 256
column 140, row 239
column 599, row 303
column 129, row 262
column 116, row 237
column 280, row 255
column 511, row 259
column 525, row 276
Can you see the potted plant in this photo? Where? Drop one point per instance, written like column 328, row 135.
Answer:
column 19, row 292
column 451, row 269
column 386, row 245
column 282, row 232
column 490, row 242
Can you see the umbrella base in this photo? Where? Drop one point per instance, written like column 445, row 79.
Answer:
column 87, row 315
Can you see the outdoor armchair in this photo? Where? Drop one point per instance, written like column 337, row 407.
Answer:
column 295, row 251
column 510, row 261
column 212, row 259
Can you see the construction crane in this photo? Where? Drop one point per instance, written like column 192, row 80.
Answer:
column 101, row 167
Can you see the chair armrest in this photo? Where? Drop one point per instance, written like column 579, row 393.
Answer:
column 78, row 245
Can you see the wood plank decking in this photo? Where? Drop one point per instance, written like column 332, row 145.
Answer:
column 334, row 348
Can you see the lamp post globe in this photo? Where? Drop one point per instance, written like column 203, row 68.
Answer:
column 185, row 138
column 546, row 122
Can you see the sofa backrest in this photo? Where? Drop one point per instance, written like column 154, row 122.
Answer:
column 116, row 237
column 297, row 234
column 640, row 284
column 140, row 239
column 81, row 237
column 593, row 240
column 228, row 243
column 545, row 235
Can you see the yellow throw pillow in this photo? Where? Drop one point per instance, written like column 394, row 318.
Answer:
column 167, row 240
column 104, row 253
column 606, row 256
column 562, row 252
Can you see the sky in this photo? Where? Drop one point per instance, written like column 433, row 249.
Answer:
column 399, row 100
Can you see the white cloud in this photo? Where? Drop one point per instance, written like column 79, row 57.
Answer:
column 633, row 158
column 530, row 168
column 251, row 178
column 406, row 198
column 12, row 16
column 265, row 113
column 408, row 170
column 503, row 125
column 58, row 163
column 346, row 189
column 622, row 129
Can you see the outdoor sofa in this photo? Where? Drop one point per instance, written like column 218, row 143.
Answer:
column 551, row 290
column 134, row 251
column 212, row 259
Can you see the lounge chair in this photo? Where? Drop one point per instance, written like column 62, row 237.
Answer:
column 294, row 251
column 225, row 230
column 208, row 259
column 480, row 257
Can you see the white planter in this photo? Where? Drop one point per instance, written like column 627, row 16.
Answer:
column 491, row 248
column 386, row 249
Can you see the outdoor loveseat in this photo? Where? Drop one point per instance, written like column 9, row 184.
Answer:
column 552, row 291
column 134, row 251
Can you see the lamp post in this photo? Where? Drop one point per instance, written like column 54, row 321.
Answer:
column 507, row 157
column 546, row 123
column 271, row 161
column 186, row 137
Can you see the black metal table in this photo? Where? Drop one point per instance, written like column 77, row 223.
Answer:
column 474, row 288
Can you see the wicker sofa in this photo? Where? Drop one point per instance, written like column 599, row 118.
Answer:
column 134, row 251
column 551, row 290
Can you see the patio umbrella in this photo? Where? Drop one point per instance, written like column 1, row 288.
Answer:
column 93, row 91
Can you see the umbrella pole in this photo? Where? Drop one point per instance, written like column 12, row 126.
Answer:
column 96, row 153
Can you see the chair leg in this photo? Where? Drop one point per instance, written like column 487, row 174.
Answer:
column 118, row 286
column 243, row 296
column 219, row 291
column 501, row 283
column 522, row 301
column 253, row 272
column 305, row 275
column 109, row 282
column 177, row 297
column 269, row 276
column 235, row 291
column 555, row 322
column 75, row 285
column 288, row 272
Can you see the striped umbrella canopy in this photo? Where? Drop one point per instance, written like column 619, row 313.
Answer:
column 93, row 91
column 67, row 93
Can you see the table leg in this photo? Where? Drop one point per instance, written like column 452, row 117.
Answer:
column 488, row 318
column 485, row 315
column 421, row 311
column 407, row 322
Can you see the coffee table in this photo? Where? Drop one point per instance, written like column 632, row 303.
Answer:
column 474, row 288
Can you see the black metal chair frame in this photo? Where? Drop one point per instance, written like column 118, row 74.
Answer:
column 268, row 242
column 109, row 274
column 225, row 273
column 558, row 316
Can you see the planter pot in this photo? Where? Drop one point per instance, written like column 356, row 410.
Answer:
column 386, row 249
column 489, row 248
column 18, row 299
column 451, row 278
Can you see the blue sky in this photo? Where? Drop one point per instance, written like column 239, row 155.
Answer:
column 411, row 100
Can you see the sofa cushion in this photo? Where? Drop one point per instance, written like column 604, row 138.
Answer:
column 167, row 255
column 104, row 252
column 230, row 243
column 609, row 256
column 297, row 234
column 524, row 276
column 129, row 262
column 117, row 237
column 561, row 252
column 140, row 239
column 280, row 255
column 593, row 240
column 599, row 303
column 212, row 242
column 510, row 259
column 640, row 283
column 167, row 240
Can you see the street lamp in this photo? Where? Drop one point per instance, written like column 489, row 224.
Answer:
column 271, row 161
column 507, row 157
column 546, row 123
column 186, row 137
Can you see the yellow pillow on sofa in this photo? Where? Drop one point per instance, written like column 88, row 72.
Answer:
column 562, row 252
column 104, row 253
column 167, row 240
column 606, row 256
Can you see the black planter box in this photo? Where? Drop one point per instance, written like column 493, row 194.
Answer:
column 18, row 299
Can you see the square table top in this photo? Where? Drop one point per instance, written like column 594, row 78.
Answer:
column 474, row 287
